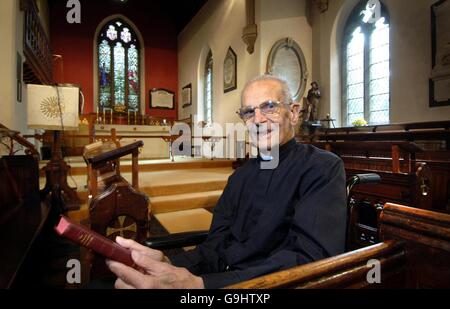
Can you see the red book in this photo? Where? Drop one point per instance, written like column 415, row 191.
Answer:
column 92, row 240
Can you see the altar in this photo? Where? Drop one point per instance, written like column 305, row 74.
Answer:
column 152, row 135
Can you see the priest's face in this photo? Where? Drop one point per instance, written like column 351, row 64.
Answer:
column 265, row 110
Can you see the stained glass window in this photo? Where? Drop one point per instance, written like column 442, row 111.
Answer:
column 366, row 92
column 119, row 74
column 208, row 89
column 125, row 35
column 104, row 61
column 133, row 78
column 118, row 67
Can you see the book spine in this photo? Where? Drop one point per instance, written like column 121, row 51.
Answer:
column 99, row 244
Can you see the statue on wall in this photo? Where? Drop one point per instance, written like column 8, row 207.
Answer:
column 310, row 112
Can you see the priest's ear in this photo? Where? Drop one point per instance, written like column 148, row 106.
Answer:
column 294, row 113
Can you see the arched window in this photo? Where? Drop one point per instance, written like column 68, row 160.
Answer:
column 118, row 67
column 366, row 65
column 208, row 89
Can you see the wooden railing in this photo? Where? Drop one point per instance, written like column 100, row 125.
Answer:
column 36, row 46
column 423, row 131
column 14, row 137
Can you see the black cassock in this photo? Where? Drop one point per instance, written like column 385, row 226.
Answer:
column 270, row 220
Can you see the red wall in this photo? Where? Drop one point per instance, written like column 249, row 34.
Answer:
column 75, row 43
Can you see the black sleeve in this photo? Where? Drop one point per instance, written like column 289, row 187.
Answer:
column 317, row 229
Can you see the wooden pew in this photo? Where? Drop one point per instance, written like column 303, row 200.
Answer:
column 432, row 137
column 403, row 181
column 116, row 207
column 415, row 253
column 22, row 214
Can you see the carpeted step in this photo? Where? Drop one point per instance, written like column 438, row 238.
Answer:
column 79, row 215
column 183, row 188
column 163, row 183
column 164, row 204
column 78, row 166
column 186, row 220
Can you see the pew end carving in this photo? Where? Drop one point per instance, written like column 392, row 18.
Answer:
column 113, row 200
column 116, row 208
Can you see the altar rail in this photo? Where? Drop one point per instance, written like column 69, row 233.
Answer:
column 91, row 130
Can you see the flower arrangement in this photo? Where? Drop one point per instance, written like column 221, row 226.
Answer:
column 360, row 122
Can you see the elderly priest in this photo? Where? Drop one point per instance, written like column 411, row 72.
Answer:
column 267, row 219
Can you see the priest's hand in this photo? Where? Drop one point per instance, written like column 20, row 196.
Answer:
column 152, row 274
column 132, row 245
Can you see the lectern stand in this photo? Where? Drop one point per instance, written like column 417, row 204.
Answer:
column 62, row 195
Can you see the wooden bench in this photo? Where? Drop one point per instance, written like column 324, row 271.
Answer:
column 432, row 137
column 415, row 253
column 22, row 215
column 403, row 181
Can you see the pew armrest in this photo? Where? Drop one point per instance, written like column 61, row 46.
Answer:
column 348, row 270
column 176, row 240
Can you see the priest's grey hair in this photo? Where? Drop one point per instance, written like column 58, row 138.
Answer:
column 285, row 92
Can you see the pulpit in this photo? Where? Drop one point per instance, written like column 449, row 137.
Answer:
column 116, row 208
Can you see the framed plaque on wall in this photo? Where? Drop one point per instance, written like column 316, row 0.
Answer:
column 230, row 71
column 162, row 98
column 286, row 61
column 440, row 76
column 186, row 96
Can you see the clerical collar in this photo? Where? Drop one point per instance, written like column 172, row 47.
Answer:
column 265, row 157
column 283, row 151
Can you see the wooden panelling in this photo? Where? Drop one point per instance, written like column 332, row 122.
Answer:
column 36, row 47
